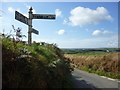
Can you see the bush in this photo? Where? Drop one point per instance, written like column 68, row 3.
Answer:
column 33, row 66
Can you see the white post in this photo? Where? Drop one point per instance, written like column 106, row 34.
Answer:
column 30, row 26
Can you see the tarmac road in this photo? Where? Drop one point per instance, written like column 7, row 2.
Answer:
column 92, row 81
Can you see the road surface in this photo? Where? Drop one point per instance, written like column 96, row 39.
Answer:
column 84, row 79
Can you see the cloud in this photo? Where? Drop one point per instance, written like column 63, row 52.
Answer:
column 81, row 16
column 58, row 13
column 97, row 32
column 65, row 21
column 28, row 7
column 112, row 44
column 101, row 33
column 61, row 32
column 101, row 42
column 12, row 10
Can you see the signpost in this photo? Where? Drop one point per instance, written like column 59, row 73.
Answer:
column 35, row 31
column 28, row 21
column 21, row 17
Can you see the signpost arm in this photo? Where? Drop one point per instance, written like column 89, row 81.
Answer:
column 30, row 27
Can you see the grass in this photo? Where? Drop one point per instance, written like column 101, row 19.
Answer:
column 90, row 54
column 101, row 73
column 105, row 64
column 35, row 66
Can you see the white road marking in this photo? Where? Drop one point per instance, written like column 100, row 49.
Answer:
column 110, row 78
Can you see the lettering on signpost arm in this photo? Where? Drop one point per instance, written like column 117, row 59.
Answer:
column 21, row 18
column 43, row 16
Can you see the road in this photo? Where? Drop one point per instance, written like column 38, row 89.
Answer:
column 92, row 81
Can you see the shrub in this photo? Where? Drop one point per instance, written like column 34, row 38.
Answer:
column 33, row 66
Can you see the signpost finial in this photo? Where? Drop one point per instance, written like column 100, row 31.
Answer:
column 30, row 10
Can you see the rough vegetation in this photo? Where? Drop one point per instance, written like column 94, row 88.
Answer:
column 106, row 64
column 35, row 66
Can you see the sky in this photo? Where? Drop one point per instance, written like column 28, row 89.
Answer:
column 77, row 24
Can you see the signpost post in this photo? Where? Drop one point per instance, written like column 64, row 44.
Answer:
column 30, row 27
column 28, row 21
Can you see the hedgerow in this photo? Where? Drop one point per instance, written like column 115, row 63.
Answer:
column 35, row 66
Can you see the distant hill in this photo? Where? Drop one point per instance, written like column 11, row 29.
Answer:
column 81, row 50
